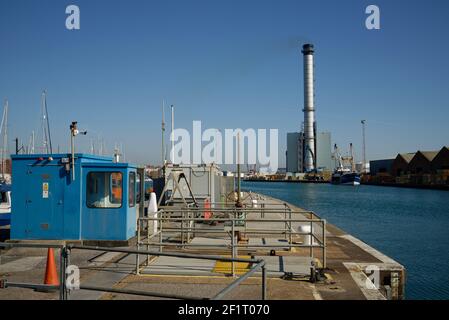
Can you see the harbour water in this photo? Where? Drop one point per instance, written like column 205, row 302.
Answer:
column 408, row 225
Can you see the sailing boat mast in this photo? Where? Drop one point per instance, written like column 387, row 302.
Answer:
column 352, row 158
column 46, row 137
column 31, row 144
column 4, row 132
column 163, row 134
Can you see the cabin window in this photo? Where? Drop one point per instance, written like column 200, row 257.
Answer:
column 132, row 189
column 104, row 189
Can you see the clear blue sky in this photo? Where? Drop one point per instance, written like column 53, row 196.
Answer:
column 230, row 64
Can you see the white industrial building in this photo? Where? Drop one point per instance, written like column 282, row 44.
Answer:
column 322, row 159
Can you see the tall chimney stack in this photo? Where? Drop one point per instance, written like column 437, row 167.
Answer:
column 309, row 108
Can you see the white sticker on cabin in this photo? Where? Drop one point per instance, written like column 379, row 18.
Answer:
column 45, row 190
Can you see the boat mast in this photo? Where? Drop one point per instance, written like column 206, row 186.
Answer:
column 46, row 137
column 338, row 158
column 32, row 142
column 163, row 134
column 352, row 157
column 4, row 132
column 173, row 134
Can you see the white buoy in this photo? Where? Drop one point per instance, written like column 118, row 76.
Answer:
column 152, row 210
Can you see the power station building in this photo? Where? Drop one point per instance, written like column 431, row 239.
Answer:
column 295, row 151
column 322, row 159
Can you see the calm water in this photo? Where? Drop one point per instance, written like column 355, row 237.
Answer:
column 408, row 225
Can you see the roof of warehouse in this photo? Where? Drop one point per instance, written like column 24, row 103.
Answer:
column 429, row 154
column 407, row 156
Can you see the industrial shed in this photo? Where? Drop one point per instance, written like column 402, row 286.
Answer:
column 441, row 160
column 400, row 163
column 422, row 162
column 380, row 166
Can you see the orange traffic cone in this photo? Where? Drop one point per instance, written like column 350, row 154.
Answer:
column 51, row 275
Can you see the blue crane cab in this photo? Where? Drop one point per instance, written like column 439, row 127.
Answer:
column 98, row 202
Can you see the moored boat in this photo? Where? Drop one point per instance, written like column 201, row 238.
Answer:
column 5, row 205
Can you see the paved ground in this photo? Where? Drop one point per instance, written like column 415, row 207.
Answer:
column 347, row 258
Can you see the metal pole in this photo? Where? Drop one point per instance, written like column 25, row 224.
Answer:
column 72, row 147
column 31, row 151
column 138, row 247
column 48, row 121
column 324, row 245
column 239, row 280
column 165, row 254
column 173, row 134
column 141, row 172
column 62, row 273
column 148, row 241
column 68, row 252
column 163, row 133
column 160, row 229
column 264, row 283
column 364, row 147
column 233, row 248
column 140, row 293
column 238, row 168
column 285, row 223
column 310, row 236
column 290, row 227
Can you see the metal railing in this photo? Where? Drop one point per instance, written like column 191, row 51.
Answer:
column 36, row 286
column 66, row 251
column 184, row 222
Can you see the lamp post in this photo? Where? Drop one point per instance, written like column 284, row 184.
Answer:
column 363, row 146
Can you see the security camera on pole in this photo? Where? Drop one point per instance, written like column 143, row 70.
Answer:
column 74, row 132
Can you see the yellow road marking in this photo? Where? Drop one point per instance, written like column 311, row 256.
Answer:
column 226, row 266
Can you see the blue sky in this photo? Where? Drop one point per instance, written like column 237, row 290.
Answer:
column 230, row 64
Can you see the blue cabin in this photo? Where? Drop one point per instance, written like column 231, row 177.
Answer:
column 47, row 203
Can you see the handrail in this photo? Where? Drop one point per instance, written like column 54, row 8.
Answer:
column 65, row 258
column 238, row 281
column 31, row 245
column 165, row 254
column 173, row 220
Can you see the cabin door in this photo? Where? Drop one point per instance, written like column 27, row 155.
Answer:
column 45, row 204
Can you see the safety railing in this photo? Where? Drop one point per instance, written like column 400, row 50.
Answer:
column 65, row 256
column 4, row 283
column 191, row 222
